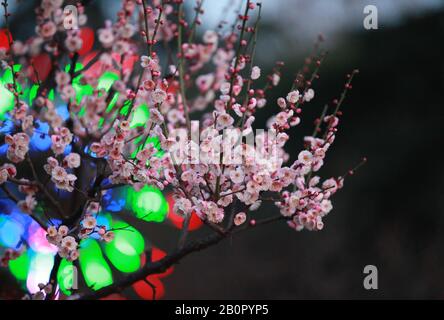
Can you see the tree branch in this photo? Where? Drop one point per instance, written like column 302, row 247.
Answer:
column 155, row 267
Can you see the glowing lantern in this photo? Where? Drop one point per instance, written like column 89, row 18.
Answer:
column 146, row 291
column 4, row 38
column 66, row 276
column 77, row 67
column 41, row 140
column 123, row 262
column 6, row 96
column 6, row 100
column 11, row 232
column 19, row 267
column 42, row 67
column 81, row 89
column 128, row 61
column 33, row 93
column 95, row 270
column 148, row 204
column 39, row 270
column 124, row 251
column 107, row 80
column 123, row 232
column 140, row 116
column 87, row 36
column 96, row 69
column 38, row 242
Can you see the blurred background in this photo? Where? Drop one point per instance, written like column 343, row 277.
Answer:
column 391, row 213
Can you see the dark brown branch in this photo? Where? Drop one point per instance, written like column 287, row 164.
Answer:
column 171, row 259
column 53, row 277
column 155, row 267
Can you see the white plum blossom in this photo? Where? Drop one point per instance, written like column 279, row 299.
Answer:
column 308, row 95
column 72, row 160
column 293, row 96
column 305, row 157
column 159, row 96
column 255, row 73
column 89, row 222
column 18, row 147
column 240, row 218
column 145, row 61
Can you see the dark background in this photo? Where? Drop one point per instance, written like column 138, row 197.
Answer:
column 390, row 214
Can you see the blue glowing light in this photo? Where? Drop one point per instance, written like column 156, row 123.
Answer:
column 11, row 232
column 103, row 219
column 6, row 127
column 88, row 151
column 113, row 201
column 68, row 150
column 3, row 149
column 63, row 112
column 40, row 140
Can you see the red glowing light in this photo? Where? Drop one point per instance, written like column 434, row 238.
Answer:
column 146, row 291
column 42, row 67
column 87, row 36
column 4, row 40
column 128, row 61
column 156, row 255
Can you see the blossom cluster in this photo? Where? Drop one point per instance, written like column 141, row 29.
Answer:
column 67, row 241
column 59, row 176
column 66, row 244
column 203, row 186
column 200, row 141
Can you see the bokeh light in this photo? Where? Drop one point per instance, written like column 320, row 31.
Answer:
column 95, row 269
column 148, row 204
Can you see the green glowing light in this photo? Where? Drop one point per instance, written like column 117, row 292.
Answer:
column 125, row 250
column 78, row 67
column 82, row 91
column 123, row 262
column 6, row 100
column 7, row 76
column 140, row 116
column 6, row 96
column 112, row 102
column 127, row 239
column 65, row 276
column 107, row 80
column 33, row 93
column 148, row 204
column 19, row 267
column 96, row 272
